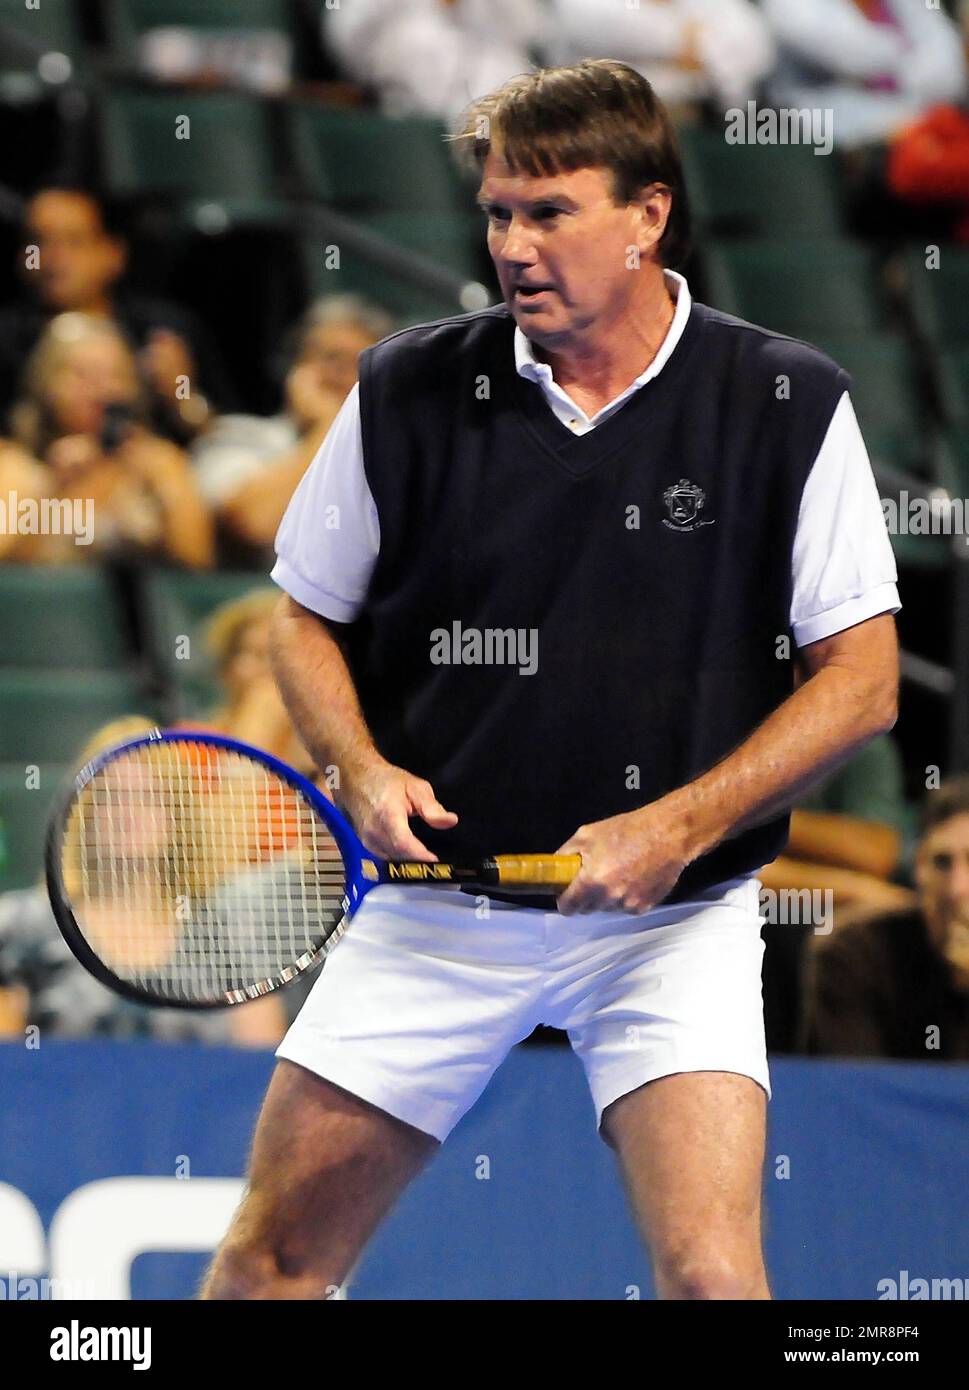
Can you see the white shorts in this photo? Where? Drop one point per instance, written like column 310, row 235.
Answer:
column 424, row 997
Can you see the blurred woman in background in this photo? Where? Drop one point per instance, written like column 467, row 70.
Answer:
column 237, row 640
column 22, row 479
column 42, row 984
column 248, row 467
column 82, row 415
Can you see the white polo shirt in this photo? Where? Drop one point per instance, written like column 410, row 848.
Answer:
column 843, row 564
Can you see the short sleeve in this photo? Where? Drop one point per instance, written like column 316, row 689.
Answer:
column 843, row 564
column 329, row 537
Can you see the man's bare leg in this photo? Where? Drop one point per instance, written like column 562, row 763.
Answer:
column 326, row 1168
column 691, row 1151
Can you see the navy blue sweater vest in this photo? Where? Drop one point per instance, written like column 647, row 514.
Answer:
column 562, row 628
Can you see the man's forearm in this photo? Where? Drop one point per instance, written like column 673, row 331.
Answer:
column 849, row 887
column 816, row 730
column 849, row 842
column 318, row 691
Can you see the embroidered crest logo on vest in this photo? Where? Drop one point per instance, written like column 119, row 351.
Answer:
column 684, row 502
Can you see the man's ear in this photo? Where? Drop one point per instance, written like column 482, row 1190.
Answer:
column 655, row 204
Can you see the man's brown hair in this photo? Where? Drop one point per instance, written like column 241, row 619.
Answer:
column 948, row 800
column 596, row 114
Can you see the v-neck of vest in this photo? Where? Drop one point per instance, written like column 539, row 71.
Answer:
column 579, row 454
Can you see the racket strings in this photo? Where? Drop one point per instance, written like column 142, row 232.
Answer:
column 195, row 872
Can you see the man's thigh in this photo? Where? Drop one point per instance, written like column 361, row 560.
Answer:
column 420, row 1003
column 326, row 1167
column 691, row 1151
column 667, row 995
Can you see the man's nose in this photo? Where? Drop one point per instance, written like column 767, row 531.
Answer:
column 519, row 245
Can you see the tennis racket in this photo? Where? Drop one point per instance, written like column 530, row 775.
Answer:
column 194, row 871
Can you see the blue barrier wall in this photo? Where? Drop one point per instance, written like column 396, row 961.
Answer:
column 866, row 1176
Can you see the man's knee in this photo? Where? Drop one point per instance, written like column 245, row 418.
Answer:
column 250, row 1271
column 710, row 1272
column 261, row 1259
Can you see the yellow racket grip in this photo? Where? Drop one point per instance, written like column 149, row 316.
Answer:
column 537, row 870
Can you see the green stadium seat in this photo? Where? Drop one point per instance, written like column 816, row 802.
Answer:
column 60, row 618
column 223, row 173
column 177, row 605
column 955, row 457
column 362, row 162
column 455, row 241
column 897, row 430
column 358, row 274
column 886, row 397
column 940, row 297
column 954, row 383
column 759, row 190
column 47, row 716
column 23, row 821
column 44, row 35
column 922, row 552
column 823, row 288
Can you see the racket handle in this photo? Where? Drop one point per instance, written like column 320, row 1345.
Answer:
column 540, row 870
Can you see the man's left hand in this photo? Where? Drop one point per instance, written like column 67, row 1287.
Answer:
column 629, row 862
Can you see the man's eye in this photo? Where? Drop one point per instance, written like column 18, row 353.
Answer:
column 545, row 213
column 942, row 861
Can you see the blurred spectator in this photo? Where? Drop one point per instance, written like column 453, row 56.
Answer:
column 248, row 467
column 258, row 59
column 689, row 50
column 237, row 639
column 928, row 162
column 847, row 834
column 433, row 57
column 42, row 984
column 21, row 477
column 82, row 416
column 847, row 838
column 896, row 984
column 78, row 264
column 928, row 165
column 876, row 63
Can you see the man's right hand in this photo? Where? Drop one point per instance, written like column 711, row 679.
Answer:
column 379, row 801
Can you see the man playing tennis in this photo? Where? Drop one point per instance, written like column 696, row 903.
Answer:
column 546, row 581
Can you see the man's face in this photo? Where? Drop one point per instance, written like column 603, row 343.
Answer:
column 333, row 348
column 942, row 877
column 79, row 261
column 560, row 245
